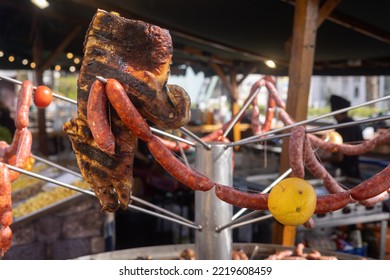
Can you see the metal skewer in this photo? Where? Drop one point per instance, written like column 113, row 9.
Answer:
column 134, row 198
column 172, row 136
column 195, row 137
column 181, row 221
column 239, row 114
column 261, row 138
column 54, row 94
column 252, row 139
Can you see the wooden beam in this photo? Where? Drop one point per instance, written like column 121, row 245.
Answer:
column 325, row 11
column 218, row 70
column 300, row 71
column 60, row 48
column 354, row 23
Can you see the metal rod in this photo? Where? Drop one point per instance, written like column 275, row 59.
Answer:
column 54, row 94
column 251, row 139
column 75, row 102
column 239, row 114
column 195, row 137
column 261, row 138
column 238, row 220
column 139, row 200
column 262, row 218
column 174, row 137
column 181, row 220
column 56, row 165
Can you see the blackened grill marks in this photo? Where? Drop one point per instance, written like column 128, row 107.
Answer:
column 95, row 154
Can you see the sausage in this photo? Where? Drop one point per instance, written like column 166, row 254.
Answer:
column 126, row 110
column 274, row 93
column 311, row 162
column 5, row 209
column 373, row 186
column 285, row 117
column 332, row 202
column 97, row 118
column 23, row 152
column 376, row 199
column 176, row 168
column 238, row 198
column 23, row 105
column 331, row 184
column 297, row 142
column 269, row 115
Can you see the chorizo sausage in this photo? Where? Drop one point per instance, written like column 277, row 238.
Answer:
column 5, row 209
column 23, row 105
column 297, row 142
column 176, row 168
column 332, row 202
column 331, row 184
column 126, row 110
column 373, row 186
column 311, row 161
column 274, row 93
column 376, row 199
column 97, row 118
column 238, row 198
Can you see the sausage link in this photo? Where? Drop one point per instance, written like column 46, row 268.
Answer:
column 311, row 161
column 332, row 202
column 376, row 199
column 332, row 185
column 274, row 93
column 5, row 209
column 269, row 115
column 23, row 105
column 373, row 186
column 296, row 145
column 176, row 168
column 23, row 152
column 97, row 118
column 127, row 111
column 242, row 199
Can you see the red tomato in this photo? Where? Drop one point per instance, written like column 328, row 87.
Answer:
column 43, row 96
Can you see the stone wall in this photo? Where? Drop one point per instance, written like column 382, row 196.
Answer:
column 74, row 231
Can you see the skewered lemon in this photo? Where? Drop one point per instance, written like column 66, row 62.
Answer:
column 292, row 201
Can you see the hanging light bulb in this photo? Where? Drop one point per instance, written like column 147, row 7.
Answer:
column 41, row 4
column 270, row 63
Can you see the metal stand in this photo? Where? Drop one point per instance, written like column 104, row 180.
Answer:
column 211, row 212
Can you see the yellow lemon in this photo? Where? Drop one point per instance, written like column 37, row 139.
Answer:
column 292, row 201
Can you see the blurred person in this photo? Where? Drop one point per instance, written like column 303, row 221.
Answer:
column 349, row 165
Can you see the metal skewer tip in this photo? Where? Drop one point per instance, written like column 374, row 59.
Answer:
column 100, row 78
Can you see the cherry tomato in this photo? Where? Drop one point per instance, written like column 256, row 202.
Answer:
column 43, row 96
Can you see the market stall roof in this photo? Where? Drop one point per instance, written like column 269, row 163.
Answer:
column 353, row 40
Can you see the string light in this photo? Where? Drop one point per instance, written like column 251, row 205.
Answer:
column 25, row 61
column 72, row 68
column 76, row 60
column 270, row 63
column 1, row 53
column 57, row 68
column 33, row 65
column 11, row 58
column 69, row 55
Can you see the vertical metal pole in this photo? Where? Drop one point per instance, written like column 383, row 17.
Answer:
column 210, row 211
